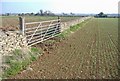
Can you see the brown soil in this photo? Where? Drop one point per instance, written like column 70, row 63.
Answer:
column 88, row 53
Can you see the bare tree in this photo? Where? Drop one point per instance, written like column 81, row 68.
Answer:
column 64, row 14
column 8, row 14
column 41, row 12
column 32, row 13
column 72, row 14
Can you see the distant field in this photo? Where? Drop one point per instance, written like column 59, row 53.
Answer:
column 12, row 22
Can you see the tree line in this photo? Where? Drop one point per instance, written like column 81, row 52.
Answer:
column 40, row 13
column 101, row 15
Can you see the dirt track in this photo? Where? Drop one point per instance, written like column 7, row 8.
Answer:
column 91, row 52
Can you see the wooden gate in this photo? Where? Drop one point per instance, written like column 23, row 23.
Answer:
column 36, row 32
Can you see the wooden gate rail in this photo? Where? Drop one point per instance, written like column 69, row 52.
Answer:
column 41, row 32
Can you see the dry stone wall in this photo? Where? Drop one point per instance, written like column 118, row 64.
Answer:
column 66, row 25
column 10, row 40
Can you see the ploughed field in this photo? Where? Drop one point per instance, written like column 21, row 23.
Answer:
column 12, row 22
column 89, row 53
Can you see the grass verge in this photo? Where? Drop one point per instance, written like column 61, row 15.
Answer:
column 19, row 61
column 72, row 29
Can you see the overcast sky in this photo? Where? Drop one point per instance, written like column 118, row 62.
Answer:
column 59, row 6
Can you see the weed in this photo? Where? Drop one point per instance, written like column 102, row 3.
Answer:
column 17, row 52
column 15, row 65
column 33, row 49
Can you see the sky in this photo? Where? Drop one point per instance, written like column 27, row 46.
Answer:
column 60, row 6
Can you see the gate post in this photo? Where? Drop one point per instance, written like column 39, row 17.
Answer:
column 22, row 25
column 59, row 24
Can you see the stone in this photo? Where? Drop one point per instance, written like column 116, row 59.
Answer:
column 10, row 40
column 29, row 68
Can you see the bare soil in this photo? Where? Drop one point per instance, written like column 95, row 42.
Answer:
column 89, row 53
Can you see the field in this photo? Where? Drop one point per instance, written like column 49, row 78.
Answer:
column 12, row 22
column 89, row 53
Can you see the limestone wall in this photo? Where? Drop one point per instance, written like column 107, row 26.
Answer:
column 66, row 25
column 10, row 40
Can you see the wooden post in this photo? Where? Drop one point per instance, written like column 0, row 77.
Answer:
column 59, row 24
column 58, row 19
column 22, row 24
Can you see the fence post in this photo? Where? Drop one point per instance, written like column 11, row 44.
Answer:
column 22, row 24
column 59, row 24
